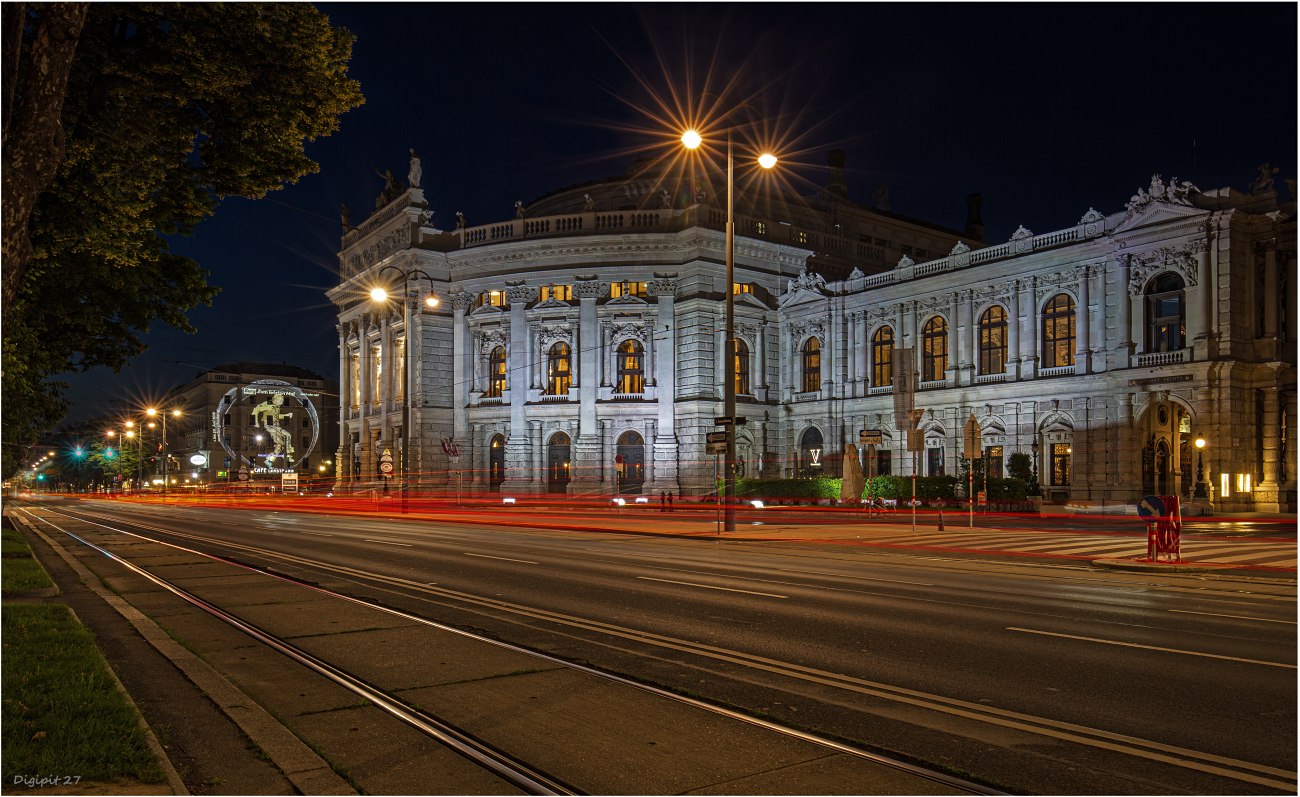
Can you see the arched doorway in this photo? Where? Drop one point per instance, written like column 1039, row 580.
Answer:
column 558, row 467
column 631, row 471
column 1162, row 467
column 496, row 462
column 810, row 453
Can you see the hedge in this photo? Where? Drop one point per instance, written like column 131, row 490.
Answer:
column 897, row 487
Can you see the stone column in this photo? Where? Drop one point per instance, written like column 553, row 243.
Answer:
column 477, row 454
column 1124, row 311
column 721, row 368
column 518, row 449
column 1271, row 300
column 1287, row 456
column 538, row 359
column 1029, row 343
column 862, row 347
column 664, row 443
column 605, row 456
column 384, row 400
column 365, row 370
column 586, row 444
column 954, row 341
column 970, row 348
column 835, row 347
column 460, row 367
column 1082, row 351
column 648, row 438
column 340, row 469
column 539, row 457
column 1266, row 492
column 1013, row 335
column 900, row 332
column 785, row 366
column 825, row 362
column 1288, row 330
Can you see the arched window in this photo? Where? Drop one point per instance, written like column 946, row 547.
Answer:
column 1058, row 332
column 741, row 368
column 559, row 371
column 812, row 366
column 934, row 354
column 496, row 373
column 631, row 373
column 810, row 452
column 1166, row 314
column 993, row 340
column 882, row 357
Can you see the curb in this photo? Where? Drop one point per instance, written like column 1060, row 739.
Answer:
column 1159, row 567
column 306, row 770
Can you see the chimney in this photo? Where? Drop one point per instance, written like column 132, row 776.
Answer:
column 974, row 221
column 836, row 190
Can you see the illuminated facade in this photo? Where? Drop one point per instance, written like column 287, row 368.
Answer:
column 590, row 327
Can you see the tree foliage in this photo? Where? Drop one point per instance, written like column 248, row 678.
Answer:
column 169, row 108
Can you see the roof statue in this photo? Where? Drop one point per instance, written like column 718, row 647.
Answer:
column 460, row 220
column 519, row 208
column 1265, row 179
column 392, row 187
column 413, row 176
column 346, row 213
column 588, row 204
column 665, row 200
column 1175, row 193
column 881, row 197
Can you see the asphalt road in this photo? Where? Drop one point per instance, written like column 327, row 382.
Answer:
column 1039, row 678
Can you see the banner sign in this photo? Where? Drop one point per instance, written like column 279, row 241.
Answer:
column 904, row 387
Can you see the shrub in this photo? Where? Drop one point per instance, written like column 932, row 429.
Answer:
column 787, row 489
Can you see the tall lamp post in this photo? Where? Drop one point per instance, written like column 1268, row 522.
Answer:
column 1034, row 448
column 691, row 139
column 152, row 412
column 380, row 295
column 1201, row 492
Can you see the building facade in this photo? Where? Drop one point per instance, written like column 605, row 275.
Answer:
column 217, row 431
column 578, row 347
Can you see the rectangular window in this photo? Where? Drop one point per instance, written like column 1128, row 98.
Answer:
column 561, row 293
column 494, row 298
column 627, row 289
column 306, row 423
column 305, row 442
column 1060, row 464
column 884, row 463
column 798, row 236
column 922, row 254
column 882, row 242
column 760, row 228
column 742, row 287
column 993, row 456
column 934, row 462
column 905, row 249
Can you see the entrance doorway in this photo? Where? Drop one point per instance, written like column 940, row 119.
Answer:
column 810, row 453
column 558, row 467
column 631, row 471
column 496, row 463
column 1162, row 467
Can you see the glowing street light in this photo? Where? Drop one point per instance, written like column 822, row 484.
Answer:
column 1201, row 490
column 379, row 295
column 767, row 160
column 691, row 139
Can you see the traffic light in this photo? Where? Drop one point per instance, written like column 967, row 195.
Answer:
column 78, row 452
column 40, row 478
column 108, row 453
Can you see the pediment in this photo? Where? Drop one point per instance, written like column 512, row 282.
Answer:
column 627, row 298
column 750, row 300
column 799, row 296
column 1156, row 213
column 487, row 309
column 549, row 303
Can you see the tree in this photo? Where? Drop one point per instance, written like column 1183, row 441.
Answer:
column 168, row 108
column 112, row 458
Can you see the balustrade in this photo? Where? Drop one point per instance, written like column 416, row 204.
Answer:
column 1162, row 357
column 984, row 379
column 1063, row 370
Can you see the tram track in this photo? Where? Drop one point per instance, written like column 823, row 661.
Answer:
column 521, row 774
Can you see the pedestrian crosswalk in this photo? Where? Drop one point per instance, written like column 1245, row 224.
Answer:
column 1269, row 553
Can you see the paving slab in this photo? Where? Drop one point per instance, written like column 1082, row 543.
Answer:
column 416, row 656
column 202, row 632
column 243, row 577
column 194, row 570
column 279, row 683
column 833, row 774
column 611, row 738
column 314, row 617
column 394, row 760
column 246, row 594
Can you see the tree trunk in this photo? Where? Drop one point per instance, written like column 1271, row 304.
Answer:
column 33, row 134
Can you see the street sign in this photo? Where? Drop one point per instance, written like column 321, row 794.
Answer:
column 1152, row 506
column 983, row 497
column 618, row 459
column 971, row 438
column 289, row 481
column 715, row 437
column 715, row 448
column 198, row 459
column 386, row 463
column 243, row 474
column 870, row 437
column 738, row 420
column 915, row 439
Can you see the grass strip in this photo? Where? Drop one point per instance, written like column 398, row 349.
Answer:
column 19, row 574
column 62, row 714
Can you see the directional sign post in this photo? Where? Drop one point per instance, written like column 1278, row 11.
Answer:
column 870, row 437
column 386, row 463
column 738, row 420
column 289, row 482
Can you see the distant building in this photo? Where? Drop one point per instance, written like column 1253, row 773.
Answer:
column 591, row 326
column 217, row 432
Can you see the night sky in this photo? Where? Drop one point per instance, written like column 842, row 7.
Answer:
column 1045, row 110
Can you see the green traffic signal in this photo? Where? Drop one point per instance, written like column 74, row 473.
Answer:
column 78, row 452
column 108, row 454
column 41, row 477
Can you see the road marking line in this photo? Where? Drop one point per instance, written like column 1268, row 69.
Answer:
column 502, row 558
column 1256, row 555
column 1152, row 647
column 857, row 578
column 386, row 542
column 1234, row 616
column 706, row 586
column 318, row 533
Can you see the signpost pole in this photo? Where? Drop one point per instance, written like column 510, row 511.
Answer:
column 716, row 496
column 914, row 492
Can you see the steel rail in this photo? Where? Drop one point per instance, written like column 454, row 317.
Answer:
column 938, row 777
column 495, row 761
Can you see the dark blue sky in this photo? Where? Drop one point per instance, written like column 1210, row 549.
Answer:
column 1043, row 109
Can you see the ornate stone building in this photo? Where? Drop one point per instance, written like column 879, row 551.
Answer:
column 590, row 328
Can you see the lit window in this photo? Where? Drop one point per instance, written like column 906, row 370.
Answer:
column 559, row 371
column 1061, row 464
column 562, row 293
column 993, row 340
column 1166, row 314
column 631, row 375
column 882, row 357
column 812, row 366
column 934, row 356
column 494, row 298
column 1058, row 332
column 496, row 373
column 627, row 289
column 741, row 368
column 742, row 287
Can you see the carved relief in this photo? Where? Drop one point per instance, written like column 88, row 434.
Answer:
column 804, row 329
column 590, row 289
column 1175, row 193
column 1022, row 239
column 621, row 332
column 520, row 293
column 462, row 300
column 490, row 340
column 548, row 336
column 1166, row 258
column 661, row 287
column 960, row 254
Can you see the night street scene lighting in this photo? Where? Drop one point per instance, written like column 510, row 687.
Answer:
column 787, row 402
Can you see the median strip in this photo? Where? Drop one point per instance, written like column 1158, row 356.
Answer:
column 706, row 586
column 1152, row 647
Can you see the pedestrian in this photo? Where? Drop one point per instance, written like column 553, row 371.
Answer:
column 670, row 500
column 661, row 502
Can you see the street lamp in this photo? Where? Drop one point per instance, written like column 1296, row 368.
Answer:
column 380, row 295
column 1201, row 491
column 1034, row 448
column 691, row 139
column 153, row 412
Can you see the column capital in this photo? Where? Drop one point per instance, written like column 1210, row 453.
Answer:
column 461, row 301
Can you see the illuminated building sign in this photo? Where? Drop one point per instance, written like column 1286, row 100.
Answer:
column 269, row 405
